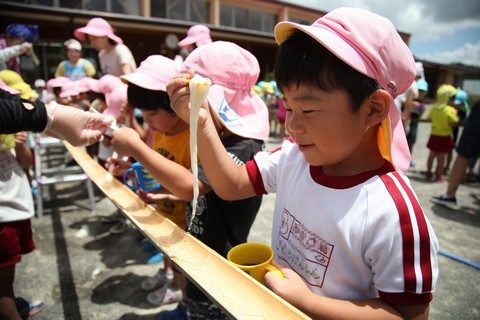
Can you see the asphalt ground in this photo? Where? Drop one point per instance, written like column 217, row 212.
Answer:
column 81, row 271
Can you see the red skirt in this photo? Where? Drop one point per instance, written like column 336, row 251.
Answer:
column 440, row 144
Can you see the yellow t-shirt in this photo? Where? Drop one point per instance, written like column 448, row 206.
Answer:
column 443, row 120
column 177, row 149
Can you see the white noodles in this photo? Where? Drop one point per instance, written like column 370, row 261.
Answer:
column 199, row 87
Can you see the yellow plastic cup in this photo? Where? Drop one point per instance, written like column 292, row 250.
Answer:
column 254, row 258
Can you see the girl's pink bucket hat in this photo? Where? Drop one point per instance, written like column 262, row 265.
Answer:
column 97, row 27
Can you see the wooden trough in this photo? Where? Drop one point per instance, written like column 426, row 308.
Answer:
column 239, row 296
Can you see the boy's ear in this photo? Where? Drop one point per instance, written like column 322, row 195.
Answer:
column 379, row 106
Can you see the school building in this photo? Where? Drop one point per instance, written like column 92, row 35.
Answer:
column 155, row 26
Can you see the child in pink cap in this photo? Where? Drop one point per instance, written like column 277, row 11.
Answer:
column 242, row 125
column 115, row 57
column 348, row 232
column 197, row 36
column 170, row 148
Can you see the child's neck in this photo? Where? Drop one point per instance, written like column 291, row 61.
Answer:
column 180, row 127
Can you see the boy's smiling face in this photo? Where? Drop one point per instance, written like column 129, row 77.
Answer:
column 325, row 128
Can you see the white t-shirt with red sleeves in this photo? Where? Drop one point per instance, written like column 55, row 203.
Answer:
column 349, row 238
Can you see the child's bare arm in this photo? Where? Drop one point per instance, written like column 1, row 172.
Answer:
column 172, row 176
column 229, row 181
column 294, row 290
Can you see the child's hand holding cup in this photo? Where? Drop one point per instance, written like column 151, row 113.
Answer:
column 254, row 258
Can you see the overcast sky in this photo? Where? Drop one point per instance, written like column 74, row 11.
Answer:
column 441, row 31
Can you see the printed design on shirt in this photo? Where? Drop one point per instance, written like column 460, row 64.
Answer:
column 238, row 162
column 165, row 153
column 229, row 116
column 304, row 251
column 8, row 167
column 198, row 221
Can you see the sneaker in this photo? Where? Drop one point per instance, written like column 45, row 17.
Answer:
column 155, row 257
column 161, row 278
column 165, row 295
column 119, row 227
column 27, row 308
column 179, row 313
column 445, row 201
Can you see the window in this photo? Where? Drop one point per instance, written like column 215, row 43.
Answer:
column 186, row 10
column 246, row 18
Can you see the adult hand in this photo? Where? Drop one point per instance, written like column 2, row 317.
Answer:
column 76, row 126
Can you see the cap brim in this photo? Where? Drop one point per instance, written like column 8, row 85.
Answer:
column 247, row 114
column 145, row 81
column 81, row 34
column 192, row 39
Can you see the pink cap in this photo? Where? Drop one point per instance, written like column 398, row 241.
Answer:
column 56, row 83
column 369, row 44
column 97, row 27
column 106, row 84
column 86, row 83
column 153, row 73
column 198, row 34
column 69, row 89
column 5, row 87
column 115, row 100
column 231, row 96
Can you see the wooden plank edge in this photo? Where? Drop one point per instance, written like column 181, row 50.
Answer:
column 239, row 296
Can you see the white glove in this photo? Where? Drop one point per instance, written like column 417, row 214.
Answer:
column 76, row 126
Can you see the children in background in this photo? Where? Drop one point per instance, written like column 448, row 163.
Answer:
column 16, row 40
column 15, row 81
column 416, row 112
column 146, row 91
column 74, row 67
column 115, row 58
column 467, row 149
column 114, row 102
column 16, row 210
column 444, row 118
column 348, row 232
column 460, row 103
column 40, row 88
column 241, row 123
column 197, row 36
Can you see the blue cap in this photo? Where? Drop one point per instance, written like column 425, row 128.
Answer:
column 21, row 31
column 461, row 97
column 422, row 85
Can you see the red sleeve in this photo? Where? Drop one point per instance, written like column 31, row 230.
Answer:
column 255, row 177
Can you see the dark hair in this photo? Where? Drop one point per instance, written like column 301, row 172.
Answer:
column 142, row 98
column 301, row 60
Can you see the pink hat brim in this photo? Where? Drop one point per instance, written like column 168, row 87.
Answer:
column 242, row 112
column 146, row 81
column 81, row 34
